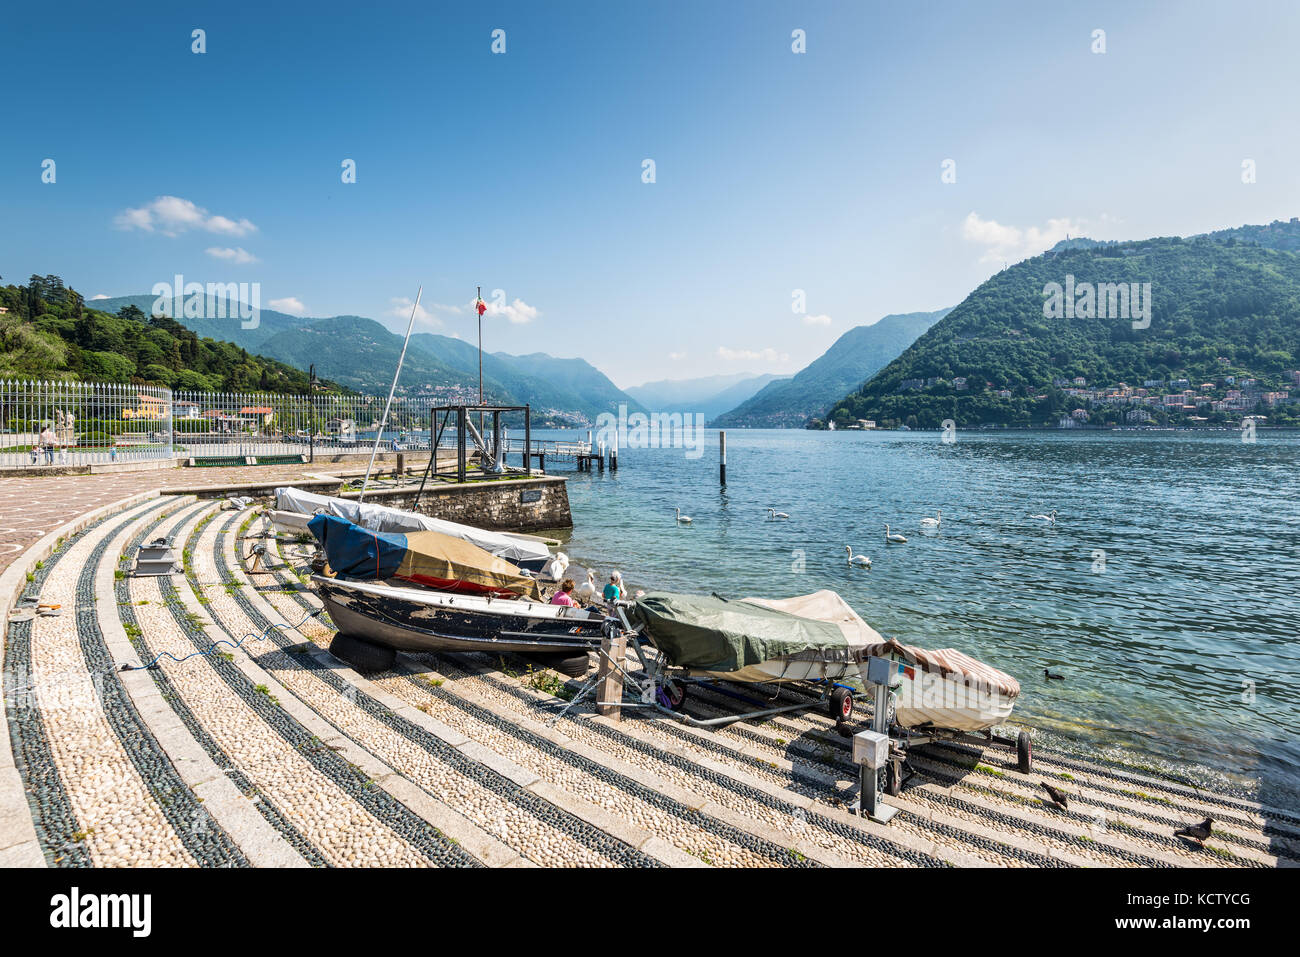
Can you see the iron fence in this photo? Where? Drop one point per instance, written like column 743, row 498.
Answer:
column 86, row 423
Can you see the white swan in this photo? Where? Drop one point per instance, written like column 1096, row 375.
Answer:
column 861, row 561
column 554, row 569
column 933, row 522
column 773, row 514
column 587, row 590
column 893, row 536
column 682, row 519
column 1049, row 518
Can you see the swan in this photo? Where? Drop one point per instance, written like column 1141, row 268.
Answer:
column 774, row 514
column 587, row 590
column 933, row 522
column 554, row 569
column 860, row 560
column 682, row 519
column 1049, row 518
column 893, row 536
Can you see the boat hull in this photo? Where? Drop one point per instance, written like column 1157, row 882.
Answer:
column 406, row 621
column 930, row 700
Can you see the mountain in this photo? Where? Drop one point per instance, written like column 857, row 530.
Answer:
column 361, row 354
column 1221, row 338
column 549, row 384
column 852, row 359
column 270, row 322
column 707, row 395
column 49, row 332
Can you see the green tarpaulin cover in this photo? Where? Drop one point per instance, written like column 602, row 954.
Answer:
column 707, row 633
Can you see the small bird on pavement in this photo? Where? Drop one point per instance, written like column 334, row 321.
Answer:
column 1059, row 798
column 1197, row 832
column 1052, row 677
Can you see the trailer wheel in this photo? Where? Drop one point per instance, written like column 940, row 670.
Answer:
column 360, row 654
column 841, row 704
column 675, row 693
column 1024, row 753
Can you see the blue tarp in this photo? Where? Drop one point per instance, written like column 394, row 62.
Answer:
column 356, row 552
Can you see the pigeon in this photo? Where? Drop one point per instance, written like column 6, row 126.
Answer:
column 1197, row 832
column 1059, row 798
column 1052, row 677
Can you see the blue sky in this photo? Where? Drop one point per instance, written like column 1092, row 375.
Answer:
column 775, row 171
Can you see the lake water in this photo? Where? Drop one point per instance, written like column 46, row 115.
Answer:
column 1179, row 646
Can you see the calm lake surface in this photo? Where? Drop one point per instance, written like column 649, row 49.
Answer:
column 1195, row 606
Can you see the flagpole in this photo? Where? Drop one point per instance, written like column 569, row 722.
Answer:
column 480, row 359
column 387, row 405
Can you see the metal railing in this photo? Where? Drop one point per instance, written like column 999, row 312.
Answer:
column 87, row 423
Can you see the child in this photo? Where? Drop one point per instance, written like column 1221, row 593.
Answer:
column 614, row 590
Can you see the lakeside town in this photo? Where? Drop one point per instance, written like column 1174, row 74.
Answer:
column 1227, row 401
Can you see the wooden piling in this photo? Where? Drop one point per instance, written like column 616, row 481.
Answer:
column 722, row 458
column 609, row 689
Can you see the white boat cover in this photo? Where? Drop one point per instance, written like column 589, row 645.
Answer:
column 827, row 606
column 380, row 518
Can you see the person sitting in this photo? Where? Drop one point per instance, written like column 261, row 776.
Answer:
column 565, row 595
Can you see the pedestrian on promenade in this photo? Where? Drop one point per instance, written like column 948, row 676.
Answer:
column 47, row 442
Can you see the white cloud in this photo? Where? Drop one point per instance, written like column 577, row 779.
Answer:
column 677, row 356
column 402, row 310
column 444, row 307
column 291, row 305
column 822, row 320
column 98, row 296
column 237, row 254
column 517, row 312
column 1012, row 243
column 171, row 216
column 767, row 355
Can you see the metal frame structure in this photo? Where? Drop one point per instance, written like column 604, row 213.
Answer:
column 439, row 419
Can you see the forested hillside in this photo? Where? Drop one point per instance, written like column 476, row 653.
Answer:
column 48, row 332
column 1223, row 333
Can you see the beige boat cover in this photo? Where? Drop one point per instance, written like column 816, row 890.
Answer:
column 951, row 663
column 826, row 606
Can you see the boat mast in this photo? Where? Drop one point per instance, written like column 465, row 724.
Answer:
column 379, row 434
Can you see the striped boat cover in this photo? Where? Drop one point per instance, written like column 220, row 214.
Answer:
column 950, row 661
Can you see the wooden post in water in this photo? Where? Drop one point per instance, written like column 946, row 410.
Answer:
column 722, row 458
column 609, row 687
column 613, row 453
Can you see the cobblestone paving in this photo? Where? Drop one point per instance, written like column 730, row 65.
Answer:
column 102, row 792
column 32, row 505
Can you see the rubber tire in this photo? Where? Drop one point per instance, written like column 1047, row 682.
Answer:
column 841, row 705
column 893, row 779
column 678, row 700
column 571, row 666
column 360, row 654
column 1024, row 753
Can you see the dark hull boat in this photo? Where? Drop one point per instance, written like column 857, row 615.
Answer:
column 417, row 619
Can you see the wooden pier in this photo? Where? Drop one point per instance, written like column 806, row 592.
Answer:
column 584, row 454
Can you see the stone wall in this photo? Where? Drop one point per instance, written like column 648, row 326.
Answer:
column 516, row 505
